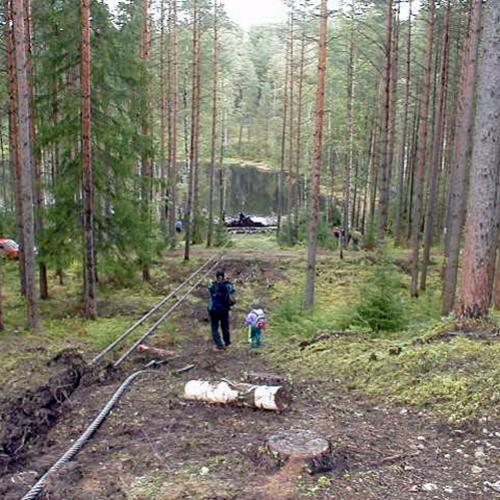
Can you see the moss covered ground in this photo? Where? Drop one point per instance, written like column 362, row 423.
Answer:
column 444, row 366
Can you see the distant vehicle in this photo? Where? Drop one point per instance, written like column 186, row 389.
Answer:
column 245, row 221
column 9, row 249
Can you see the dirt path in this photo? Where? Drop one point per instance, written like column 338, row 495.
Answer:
column 155, row 445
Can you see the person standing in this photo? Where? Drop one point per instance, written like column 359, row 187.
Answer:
column 221, row 300
column 257, row 322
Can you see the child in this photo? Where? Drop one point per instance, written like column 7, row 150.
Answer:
column 256, row 321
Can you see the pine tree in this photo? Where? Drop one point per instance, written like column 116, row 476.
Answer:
column 174, row 104
column 437, row 149
column 480, row 231
column 318, row 150
column 25, row 159
column 422, row 154
column 88, row 175
column 385, row 178
column 458, row 172
column 213, row 144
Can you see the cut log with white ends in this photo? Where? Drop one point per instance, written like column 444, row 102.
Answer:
column 273, row 398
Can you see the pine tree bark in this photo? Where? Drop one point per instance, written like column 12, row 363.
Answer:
column 164, row 115
column 25, row 159
column 88, row 174
column 350, row 132
column 373, row 169
column 385, row 178
column 298, row 139
column 291, row 130
column 147, row 165
column 195, row 130
column 437, row 148
column 480, row 232
column 459, row 173
column 422, row 154
column 37, row 173
column 174, row 105
column 213, row 144
column 318, row 149
column 191, row 207
column 403, row 162
column 410, row 174
column 13, row 134
column 222, row 202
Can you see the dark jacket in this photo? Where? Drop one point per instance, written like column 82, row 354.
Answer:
column 221, row 296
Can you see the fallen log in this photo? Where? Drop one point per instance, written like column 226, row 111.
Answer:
column 155, row 351
column 274, row 398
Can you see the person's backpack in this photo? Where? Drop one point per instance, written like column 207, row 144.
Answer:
column 221, row 296
column 257, row 318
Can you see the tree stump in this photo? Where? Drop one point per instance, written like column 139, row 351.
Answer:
column 301, row 446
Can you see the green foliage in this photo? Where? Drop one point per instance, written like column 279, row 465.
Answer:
column 380, row 306
column 287, row 236
column 370, row 237
column 199, row 229
column 326, row 239
column 221, row 236
column 7, row 223
column 290, row 319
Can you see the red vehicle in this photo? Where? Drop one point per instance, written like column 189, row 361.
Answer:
column 9, row 249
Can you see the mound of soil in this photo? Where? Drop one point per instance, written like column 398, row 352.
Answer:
column 26, row 416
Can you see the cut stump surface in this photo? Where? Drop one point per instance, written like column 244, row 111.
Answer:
column 298, row 444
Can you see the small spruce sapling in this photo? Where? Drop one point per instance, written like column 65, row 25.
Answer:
column 380, row 306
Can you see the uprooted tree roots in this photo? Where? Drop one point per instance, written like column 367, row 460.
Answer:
column 35, row 411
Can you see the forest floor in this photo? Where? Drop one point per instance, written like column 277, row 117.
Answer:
column 409, row 415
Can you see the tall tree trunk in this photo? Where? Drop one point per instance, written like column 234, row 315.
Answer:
column 147, row 165
column 355, row 197
column 374, row 173
column 25, row 159
column 481, row 208
column 318, row 149
column 281, row 178
column 88, row 174
column 37, row 176
column 403, row 162
column 422, row 156
column 459, row 178
column 174, row 105
column 164, row 116
column 213, row 145
column 437, row 148
column 298, row 140
column 222, row 215
column 350, row 132
column 385, row 180
column 194, row 138
column 410, row 175
column 13, row 134
column 195, row 130
column 290, row 132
